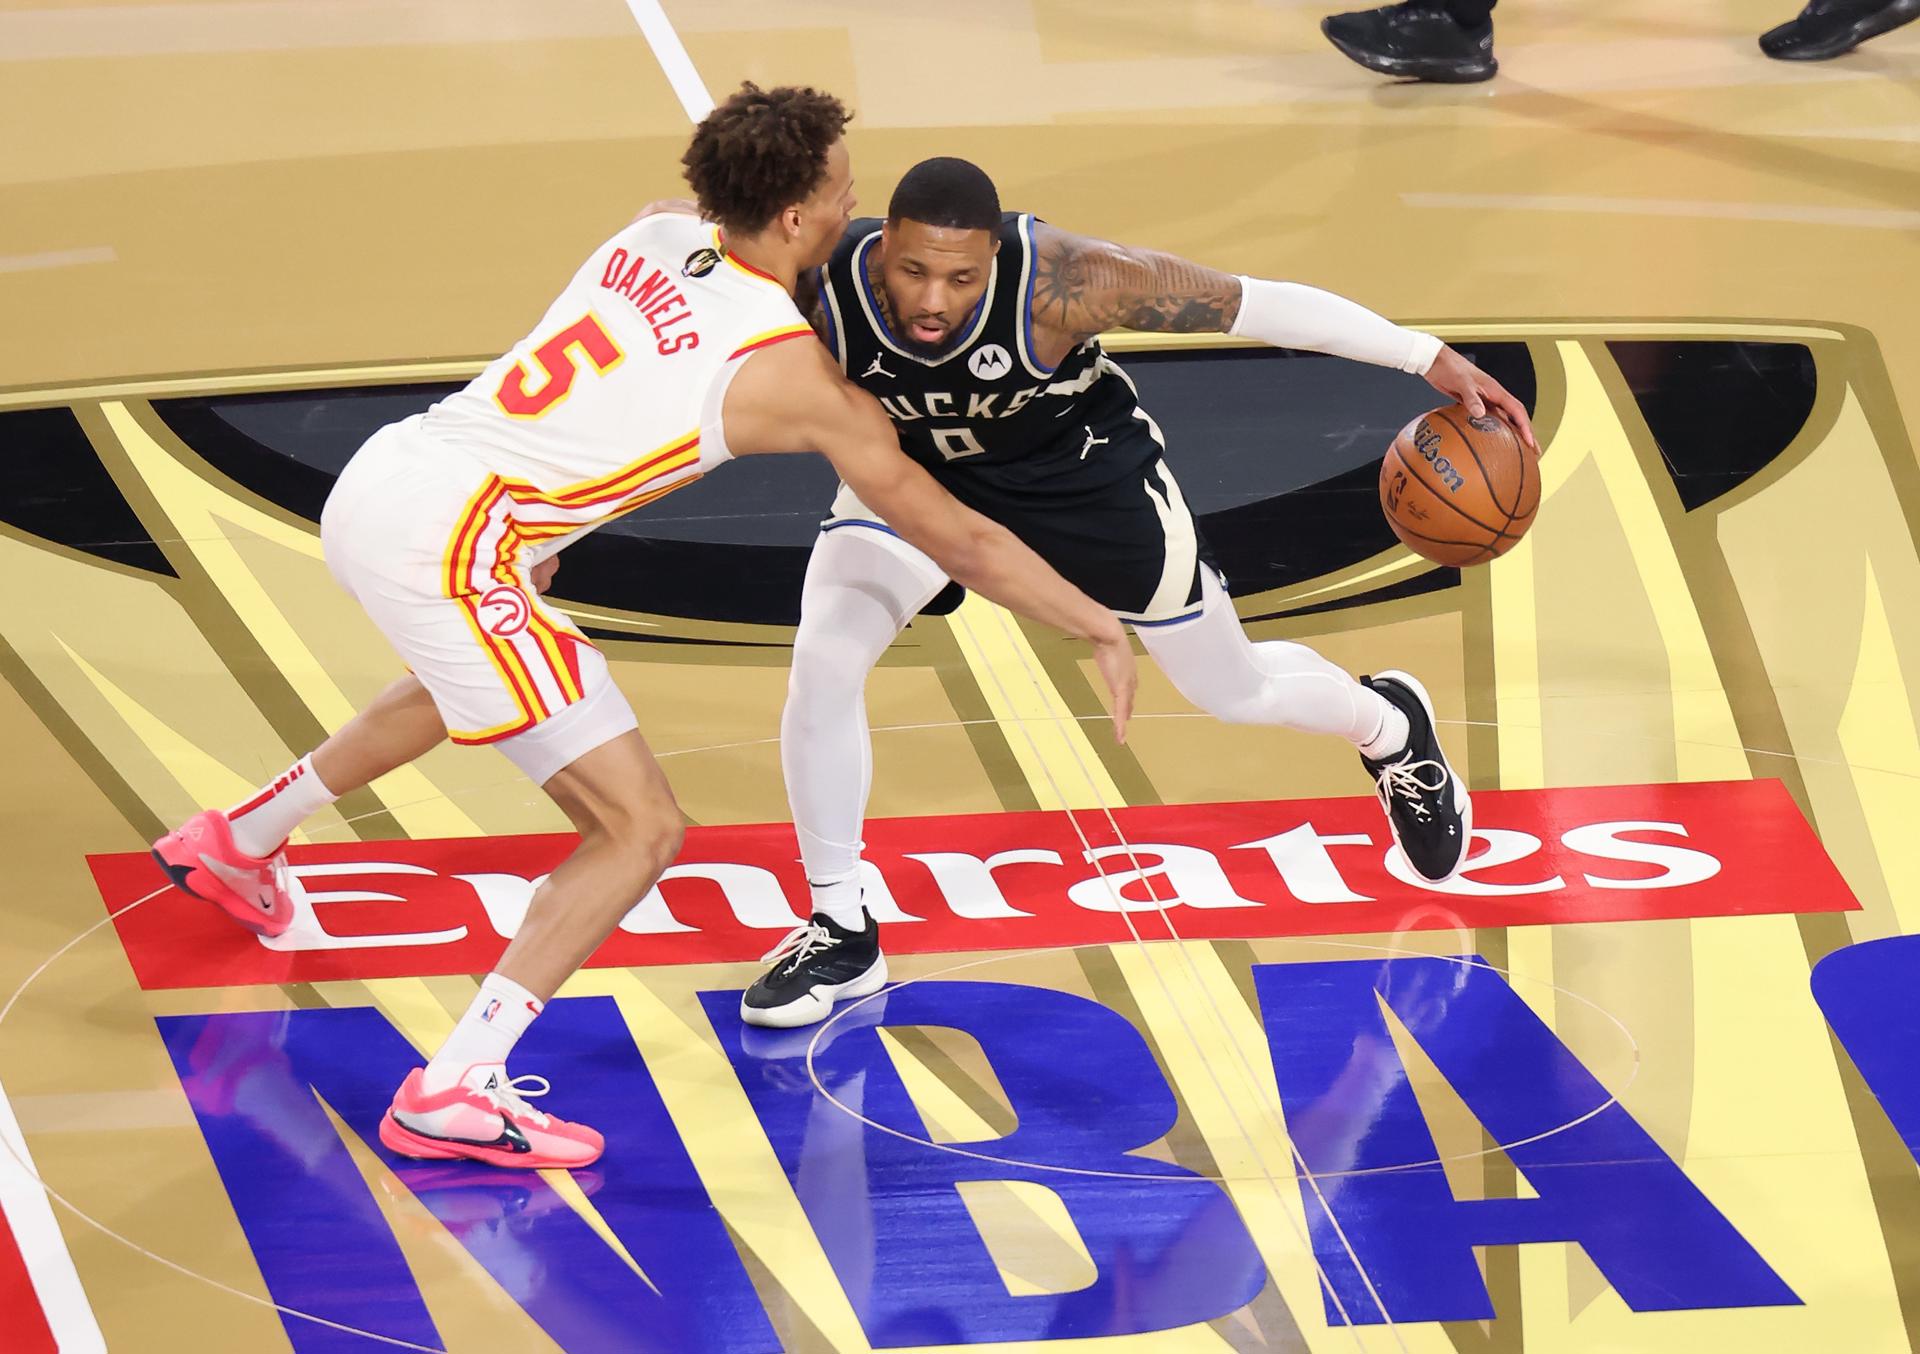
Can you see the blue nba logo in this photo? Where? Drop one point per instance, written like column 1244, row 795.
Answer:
column 493, row 1009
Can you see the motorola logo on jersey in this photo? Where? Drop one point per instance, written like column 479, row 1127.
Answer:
column 505, row 611
column 990, row 362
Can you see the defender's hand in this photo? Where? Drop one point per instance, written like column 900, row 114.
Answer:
column 1451, row 374
column 678, row 205
column 1113, row 655
column 543, row 573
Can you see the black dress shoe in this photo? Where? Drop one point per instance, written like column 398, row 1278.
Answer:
column 1827, row 28
column 1419, row 40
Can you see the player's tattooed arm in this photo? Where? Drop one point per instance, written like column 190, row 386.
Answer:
column 1084, row 286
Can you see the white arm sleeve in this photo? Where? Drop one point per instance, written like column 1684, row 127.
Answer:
column 1291, row 315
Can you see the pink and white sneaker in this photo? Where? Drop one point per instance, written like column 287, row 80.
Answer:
column 483, row 1118
column 201, row 859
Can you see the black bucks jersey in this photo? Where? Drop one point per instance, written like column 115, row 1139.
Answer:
column 1063, row 456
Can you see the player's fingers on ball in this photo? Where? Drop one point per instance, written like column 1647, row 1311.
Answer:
column 1516, row 414
column 1526, row 427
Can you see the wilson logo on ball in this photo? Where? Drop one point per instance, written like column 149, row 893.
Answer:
column 1427, row 442
column 1459, row 489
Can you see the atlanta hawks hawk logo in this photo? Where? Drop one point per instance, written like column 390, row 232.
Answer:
column 990, row 362
column 505, row 611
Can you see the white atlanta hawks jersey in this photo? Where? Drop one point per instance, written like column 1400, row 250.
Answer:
column 602, row 407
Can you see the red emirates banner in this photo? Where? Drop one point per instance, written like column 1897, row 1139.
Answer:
column 1022, row 881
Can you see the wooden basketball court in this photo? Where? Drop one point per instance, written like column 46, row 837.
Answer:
column 1176, row 1061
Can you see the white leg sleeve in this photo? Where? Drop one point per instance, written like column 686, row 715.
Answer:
column 1213, row 664
column 862, row 588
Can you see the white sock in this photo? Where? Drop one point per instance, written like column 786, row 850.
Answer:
column 486, row 1034
column 840, row 900
column 1393, row 734
column 263, row 823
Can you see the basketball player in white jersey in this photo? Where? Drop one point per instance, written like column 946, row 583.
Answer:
column 978, row 331
column 674, row 348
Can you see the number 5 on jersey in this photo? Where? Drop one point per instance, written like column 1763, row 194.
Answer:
column 558, row 363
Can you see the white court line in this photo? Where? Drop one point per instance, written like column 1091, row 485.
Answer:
column 686, row 82
column 1253, row 1080
column 841, row 1013
column 49, row 1264
column 1881, row 218
column 58, row 258
column 17, row 1167
column 671, row 53
column 694, row 98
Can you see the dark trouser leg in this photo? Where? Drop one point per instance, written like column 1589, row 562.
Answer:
column 1471, row 13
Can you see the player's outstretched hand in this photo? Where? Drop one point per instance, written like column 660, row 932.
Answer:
column 544, row 571
column 1113, row 655
column 1451, row 374
column 680, row 206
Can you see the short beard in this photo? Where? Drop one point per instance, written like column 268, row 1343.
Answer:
column 922, row 347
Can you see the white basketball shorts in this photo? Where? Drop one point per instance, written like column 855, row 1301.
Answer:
column 407, row 533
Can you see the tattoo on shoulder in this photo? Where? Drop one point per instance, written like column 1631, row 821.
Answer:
column 1059, row 283
column 1087, row 287
column 812, row 304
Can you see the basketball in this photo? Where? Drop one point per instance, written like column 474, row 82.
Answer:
column 1459, row 490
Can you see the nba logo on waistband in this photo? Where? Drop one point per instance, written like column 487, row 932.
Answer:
column 493, row 1009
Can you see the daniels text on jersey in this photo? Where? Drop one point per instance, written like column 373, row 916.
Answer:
column 655, row 296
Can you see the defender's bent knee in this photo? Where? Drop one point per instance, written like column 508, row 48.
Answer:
column 642, row 839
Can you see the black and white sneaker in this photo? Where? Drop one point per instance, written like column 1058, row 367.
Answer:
column 820, row 962
column 1427, row 805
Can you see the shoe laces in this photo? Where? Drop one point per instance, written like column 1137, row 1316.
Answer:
column 1402, row 779
column 803, row 942
column 511, row 1096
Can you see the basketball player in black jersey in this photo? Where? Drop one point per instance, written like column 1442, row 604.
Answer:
column 978, row 332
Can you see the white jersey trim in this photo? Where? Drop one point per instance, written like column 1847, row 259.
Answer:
column 835, row 320
column 713, row 433
column 861, row 289
column 1023, row 320
column 1182, row 548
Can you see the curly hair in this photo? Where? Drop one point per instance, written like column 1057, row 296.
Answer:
column 760, row 152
